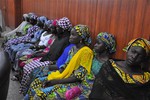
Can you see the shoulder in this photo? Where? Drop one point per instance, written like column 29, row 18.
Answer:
column 111, row 62
column 86, row 49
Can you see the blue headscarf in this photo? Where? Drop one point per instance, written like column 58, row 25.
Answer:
column 108, row 40
column 43, row 19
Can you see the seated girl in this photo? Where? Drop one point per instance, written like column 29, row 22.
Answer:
column 23, row 46
column 125, row 79
column 20, row 29
column 77, row 65
column 56, row 49
column 25, row 38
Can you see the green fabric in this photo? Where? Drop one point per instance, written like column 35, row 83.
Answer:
column 96, row 65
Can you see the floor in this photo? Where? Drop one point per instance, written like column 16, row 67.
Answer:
column 13, row 92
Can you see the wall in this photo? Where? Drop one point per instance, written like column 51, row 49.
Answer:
column 3, row 8
column 12, row 12
column 126, row 19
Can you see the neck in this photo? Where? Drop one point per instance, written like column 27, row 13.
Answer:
column 79, row 45
column 103, row 57
column 133, row 68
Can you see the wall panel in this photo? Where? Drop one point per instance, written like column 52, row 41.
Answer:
column 11, row 13
column 126, row 19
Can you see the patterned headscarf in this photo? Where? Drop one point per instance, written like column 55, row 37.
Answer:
column 139, row 42
column 34, row 17
column 54, row 23
column 108, row 40
column 64, row 23
column 43, row 19
column 84, row 32
column 25, row 16
column 49, row 23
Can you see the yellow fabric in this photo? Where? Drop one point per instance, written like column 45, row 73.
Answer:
column 82, row 58
column 128, row 79
column 145, row 44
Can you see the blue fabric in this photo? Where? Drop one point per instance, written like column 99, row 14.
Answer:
column 20, row 46
column 63, row 57
column 37, row 36
column 15, row 48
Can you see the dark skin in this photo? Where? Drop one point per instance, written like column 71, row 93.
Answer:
column 102, row 53
column 74, row 39
column 71, row 40
column 61, row 32
column 134, row 59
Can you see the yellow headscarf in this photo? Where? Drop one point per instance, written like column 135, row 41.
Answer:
column 82, row 58
column 145, row 44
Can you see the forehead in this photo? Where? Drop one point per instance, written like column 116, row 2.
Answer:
column 138, row 49
column 73, row 30
column 99, row 40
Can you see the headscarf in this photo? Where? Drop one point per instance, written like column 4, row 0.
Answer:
column 34, row 17
column 54, row 22
column 31, row 13
column 139, row 42
column 48, row 23
column 82, row 58
column 64, row 23
column 43, row 19
column 25, row 16
column 84, row 33
column 108, row 40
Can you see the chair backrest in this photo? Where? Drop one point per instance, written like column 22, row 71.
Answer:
column 2, row 22
column 4, row 74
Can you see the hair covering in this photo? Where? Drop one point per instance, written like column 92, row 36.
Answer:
column 108, row 40
column 30, row 14
column 64, row 23
column 139, row 42
column 34, row 17
column 43, row 19
column 82, row 58
column 54, row 23
column 48, row 23
column 25, row 16
column 84, row 33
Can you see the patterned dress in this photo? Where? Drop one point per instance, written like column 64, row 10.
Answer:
column 57, row 92
column 22, row 39
column 51, row 56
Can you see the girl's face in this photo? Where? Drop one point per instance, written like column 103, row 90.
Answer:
column 39, row 23
column 74, row 37
column 135, row 55
column 45, row 27
column 53, row 29
column 59, row 30
column 99, row 46
column 32, row 21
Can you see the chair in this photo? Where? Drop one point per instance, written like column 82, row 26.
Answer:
column 4, row 74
